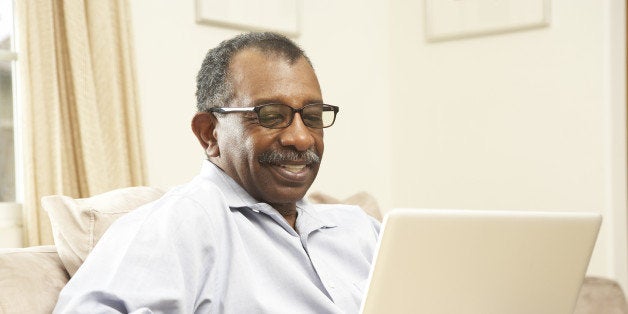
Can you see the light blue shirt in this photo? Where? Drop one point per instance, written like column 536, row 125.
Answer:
column 209, row 247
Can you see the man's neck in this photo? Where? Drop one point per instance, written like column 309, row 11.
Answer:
column 289, row 213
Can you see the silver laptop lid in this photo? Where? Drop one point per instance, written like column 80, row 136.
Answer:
column 472, row 261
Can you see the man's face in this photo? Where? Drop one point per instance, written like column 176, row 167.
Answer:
column 259, row 79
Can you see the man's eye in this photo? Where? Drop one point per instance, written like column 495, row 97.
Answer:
column 271, row 119
column 313, row 119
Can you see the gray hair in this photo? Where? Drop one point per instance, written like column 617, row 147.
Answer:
column 213, row 87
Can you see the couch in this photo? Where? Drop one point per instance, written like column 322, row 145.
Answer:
column 31, row 278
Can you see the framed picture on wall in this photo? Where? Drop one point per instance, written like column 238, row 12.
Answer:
column 454, row 19
column 280, row 16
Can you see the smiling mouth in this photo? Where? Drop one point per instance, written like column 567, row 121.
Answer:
column 293, row 168
column 290, row 165
column 294, row 173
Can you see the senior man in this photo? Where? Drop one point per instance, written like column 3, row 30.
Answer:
column 239, row 238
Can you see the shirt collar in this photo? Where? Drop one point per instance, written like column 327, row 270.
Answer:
column 234, row 194
column 308, row 219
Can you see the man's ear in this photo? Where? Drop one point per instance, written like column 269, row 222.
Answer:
column 204, row 127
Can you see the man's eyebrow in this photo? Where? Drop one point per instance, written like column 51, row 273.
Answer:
column 264, row 101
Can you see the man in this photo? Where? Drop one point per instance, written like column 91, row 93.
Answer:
column 239, row 238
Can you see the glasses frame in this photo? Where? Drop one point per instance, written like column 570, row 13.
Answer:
column 257, row 110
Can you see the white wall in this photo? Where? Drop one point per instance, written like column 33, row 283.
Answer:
column 347, row 42
column 525, row 120
column 169, row 49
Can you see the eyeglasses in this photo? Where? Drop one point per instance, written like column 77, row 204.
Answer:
column 278, row 116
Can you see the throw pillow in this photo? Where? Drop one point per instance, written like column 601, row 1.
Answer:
column 78, row 224
column 363, row 199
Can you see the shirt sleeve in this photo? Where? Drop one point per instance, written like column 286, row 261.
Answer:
column 156, row 259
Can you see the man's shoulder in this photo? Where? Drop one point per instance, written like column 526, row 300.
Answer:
column 181, row 202
column 200, row 192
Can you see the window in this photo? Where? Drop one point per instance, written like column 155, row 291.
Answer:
column 8, row 59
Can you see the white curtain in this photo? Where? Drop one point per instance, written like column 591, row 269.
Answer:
column 81, row 120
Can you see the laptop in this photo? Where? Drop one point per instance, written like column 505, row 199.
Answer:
column 480, row 262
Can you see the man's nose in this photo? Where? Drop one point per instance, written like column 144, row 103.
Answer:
column 297, row 135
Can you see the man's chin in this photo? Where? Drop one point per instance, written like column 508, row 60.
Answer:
column 286, row 196
column 286, row 186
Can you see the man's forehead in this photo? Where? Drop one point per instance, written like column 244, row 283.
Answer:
column 254, row 58
column 256, row 74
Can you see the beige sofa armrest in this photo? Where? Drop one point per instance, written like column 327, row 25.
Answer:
column 30, row 279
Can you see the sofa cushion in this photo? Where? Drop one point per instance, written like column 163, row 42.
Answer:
column 601, row 296
column 78, row 224
column 30, row 279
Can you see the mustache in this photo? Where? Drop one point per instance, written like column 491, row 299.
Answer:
column 277, row 157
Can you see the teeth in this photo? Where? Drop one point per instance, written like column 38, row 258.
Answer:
column 293, row 168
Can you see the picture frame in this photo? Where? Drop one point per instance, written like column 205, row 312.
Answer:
column 456, row 19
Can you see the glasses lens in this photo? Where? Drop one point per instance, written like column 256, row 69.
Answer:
column 277, row 116
column 318, row 116
column 274, row 116
column 328, row 116
column 322, row 116
column 312, row 116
